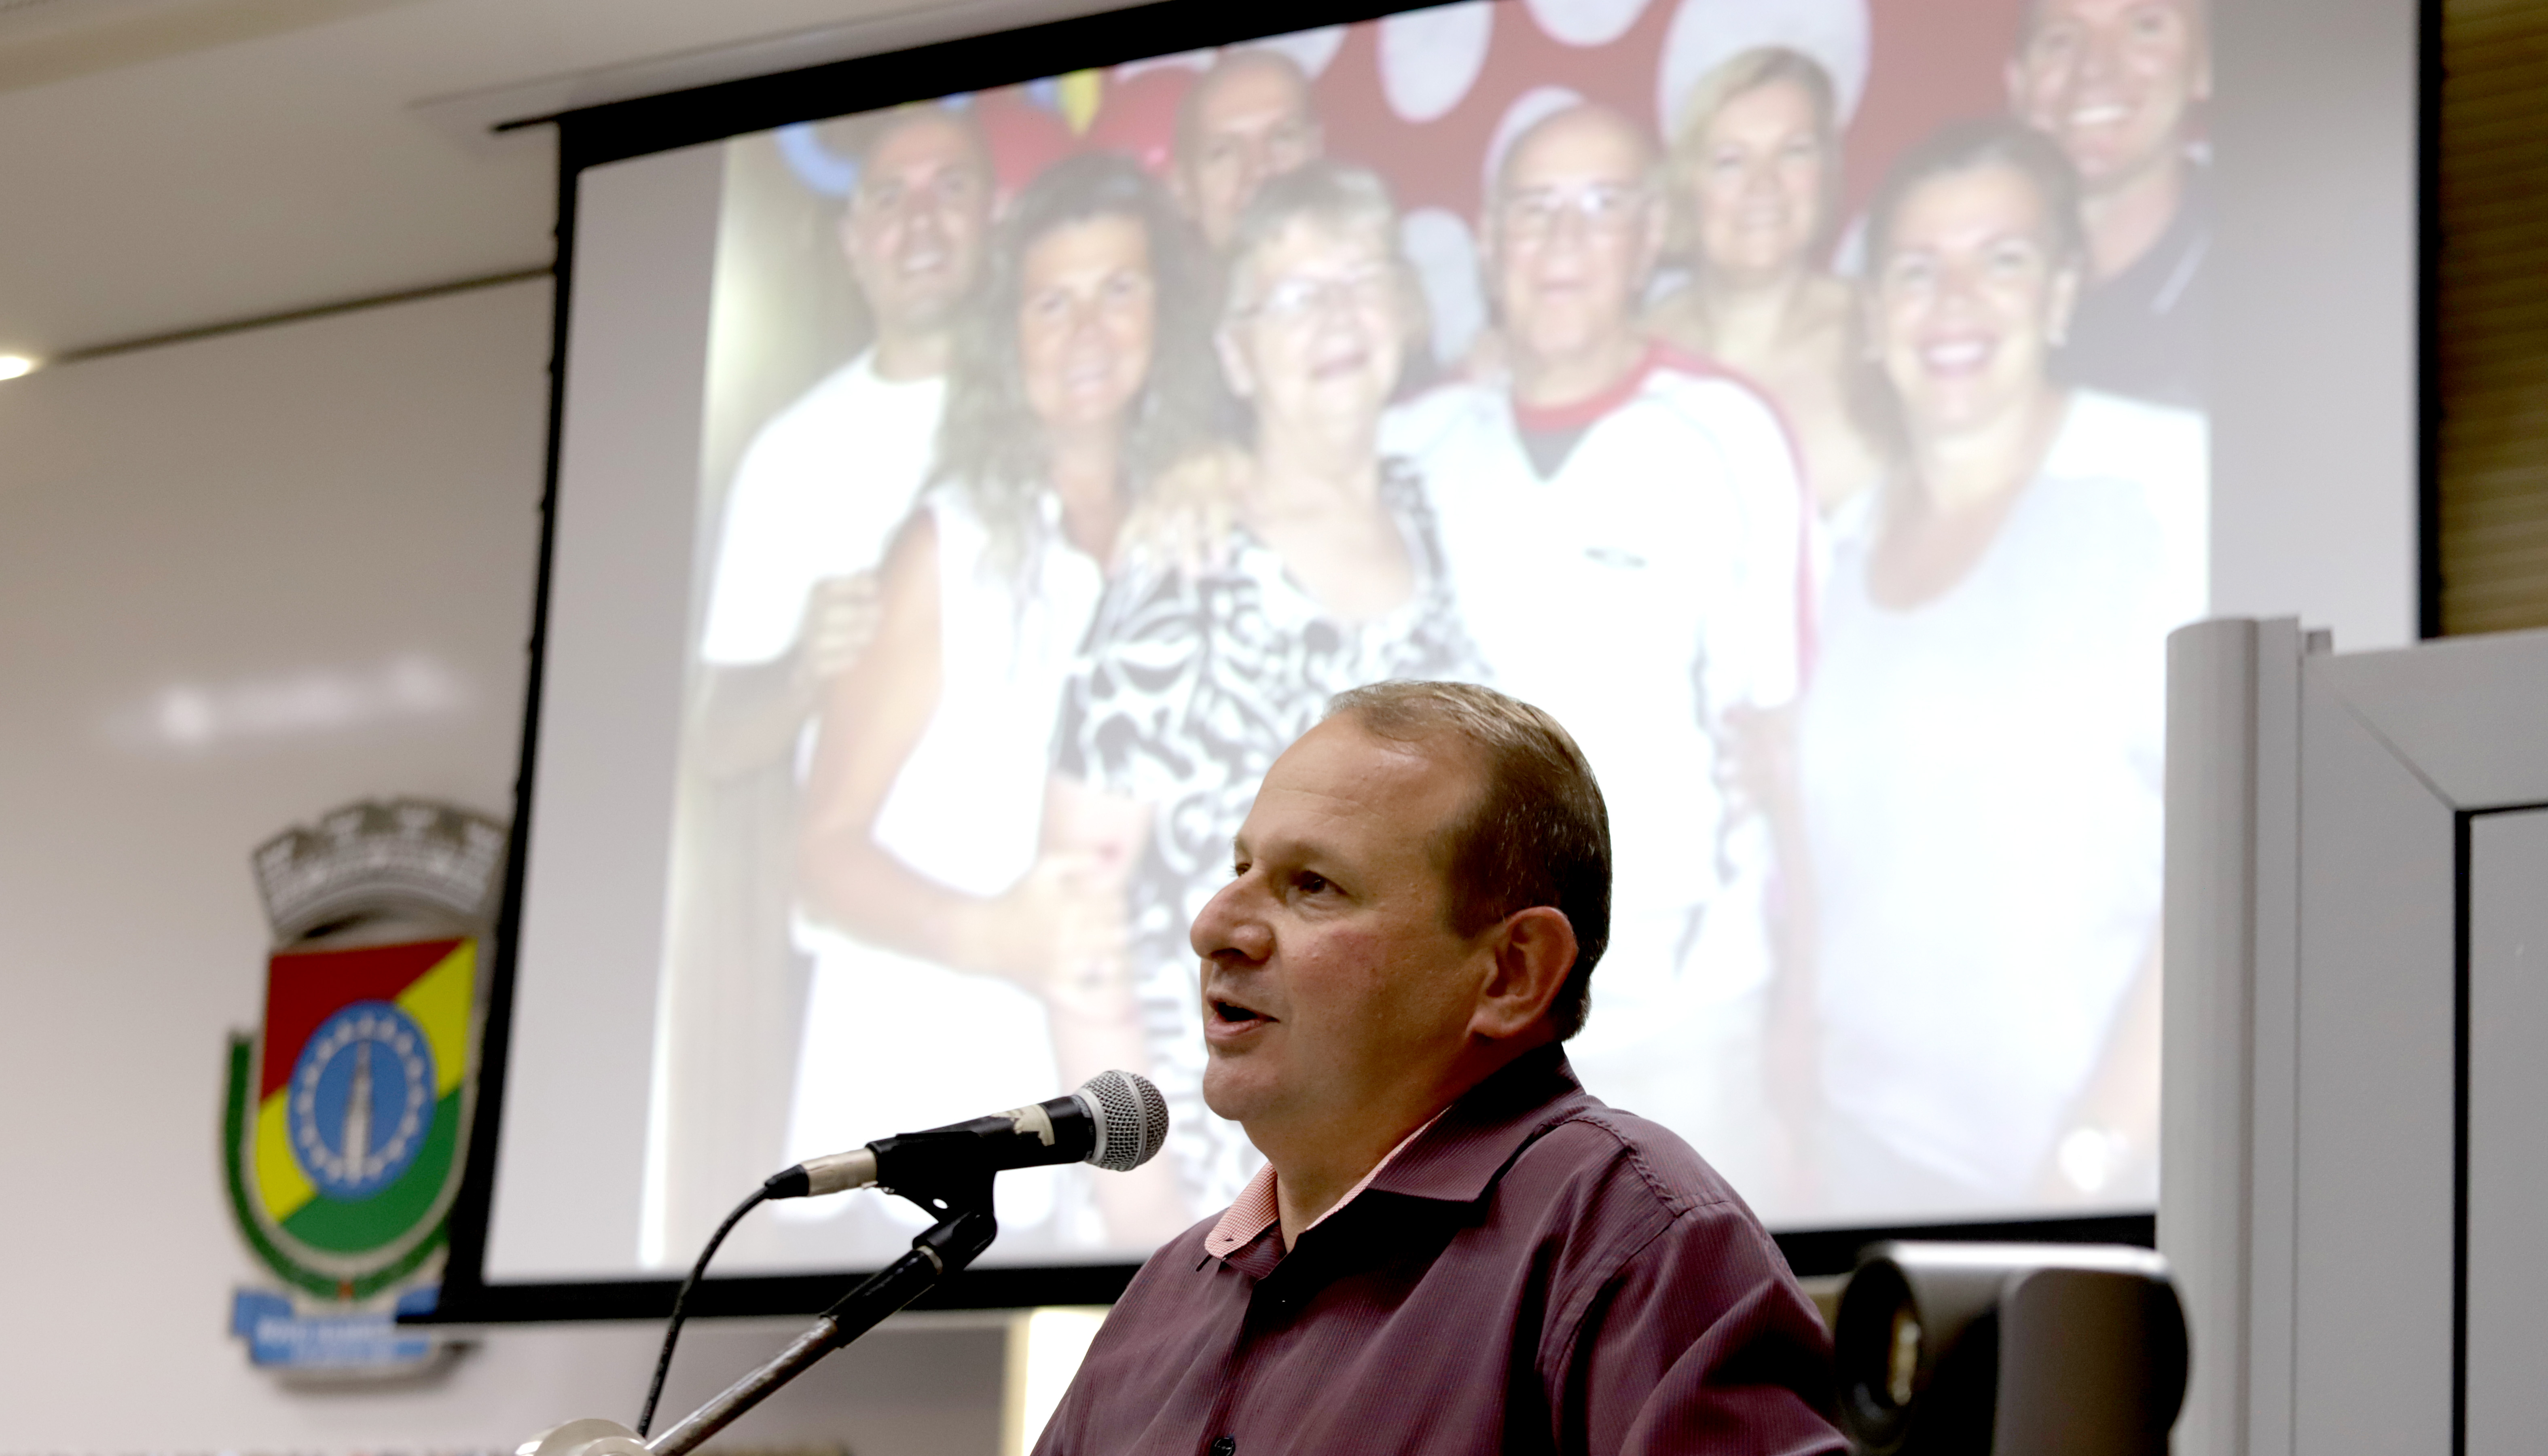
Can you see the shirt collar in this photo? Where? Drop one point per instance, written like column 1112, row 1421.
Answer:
column 1453, row 1159
column 1588, row 411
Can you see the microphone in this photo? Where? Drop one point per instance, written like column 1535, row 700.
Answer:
column 1116, row 1119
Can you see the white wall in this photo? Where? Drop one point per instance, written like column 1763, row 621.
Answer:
column 320, row 539
column 2313, row 316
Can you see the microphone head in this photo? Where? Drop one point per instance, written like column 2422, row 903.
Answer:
column 1132, row 1119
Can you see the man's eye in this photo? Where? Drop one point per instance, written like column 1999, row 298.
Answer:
column 1311, row 883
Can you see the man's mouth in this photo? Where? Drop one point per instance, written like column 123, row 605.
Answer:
column 1229, row 1024
column 1342, row 365
column 2096, row 114
column 1956, row 357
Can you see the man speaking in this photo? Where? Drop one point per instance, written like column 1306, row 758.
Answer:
column 1452, row 1247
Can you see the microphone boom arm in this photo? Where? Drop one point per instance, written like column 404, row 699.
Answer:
column 965, row 1229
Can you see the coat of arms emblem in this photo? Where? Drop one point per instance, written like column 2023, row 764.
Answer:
column 347, row 1114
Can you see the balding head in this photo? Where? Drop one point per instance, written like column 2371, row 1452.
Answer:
column 1576, row 225
column 1248, row 119
column 1572, row 132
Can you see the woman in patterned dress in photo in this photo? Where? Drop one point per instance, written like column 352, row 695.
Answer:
column 1193, row 680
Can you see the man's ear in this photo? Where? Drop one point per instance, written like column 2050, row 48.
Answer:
column 1533, row 950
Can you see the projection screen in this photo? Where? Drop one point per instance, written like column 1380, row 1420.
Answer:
column 1808, row 402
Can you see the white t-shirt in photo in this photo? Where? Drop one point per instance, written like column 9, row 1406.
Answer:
column 819, row 492
column 1981, row 775
column 1645, row 585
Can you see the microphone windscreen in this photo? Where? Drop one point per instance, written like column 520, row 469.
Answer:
column 1132, row 1119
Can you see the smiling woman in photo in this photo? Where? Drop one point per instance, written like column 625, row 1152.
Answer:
column 923, row 836
column 1979, row 754
column 1754, row 171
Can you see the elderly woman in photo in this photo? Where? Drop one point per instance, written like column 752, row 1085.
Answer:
column 1079, row 377
column 1979, row 754
column 1195, row 680
column 1755, row 177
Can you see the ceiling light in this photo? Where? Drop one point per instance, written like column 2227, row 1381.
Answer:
column 13, row 366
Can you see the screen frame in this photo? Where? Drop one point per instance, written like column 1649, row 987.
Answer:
column 618, row 130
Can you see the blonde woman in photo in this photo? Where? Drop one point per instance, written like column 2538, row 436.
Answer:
column 1754, row 183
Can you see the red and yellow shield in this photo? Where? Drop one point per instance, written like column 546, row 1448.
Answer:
column 347, row 1113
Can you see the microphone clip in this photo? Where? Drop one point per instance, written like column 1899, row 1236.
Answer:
column 948, row 1191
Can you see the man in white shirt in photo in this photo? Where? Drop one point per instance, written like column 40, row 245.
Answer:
column 815, row 498
column 1624, row 528
column 825, row 481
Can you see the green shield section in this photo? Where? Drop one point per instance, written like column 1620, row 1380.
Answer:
column 353, row 1227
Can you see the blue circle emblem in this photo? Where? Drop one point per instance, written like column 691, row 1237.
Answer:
column 361, row 1100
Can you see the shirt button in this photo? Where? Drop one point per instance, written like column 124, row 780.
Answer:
column 1226, row 1446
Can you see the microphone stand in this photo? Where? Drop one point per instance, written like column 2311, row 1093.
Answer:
column 965, row 1229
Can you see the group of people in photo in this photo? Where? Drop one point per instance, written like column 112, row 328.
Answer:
column 1843, row 536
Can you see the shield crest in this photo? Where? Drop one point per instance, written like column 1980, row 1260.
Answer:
column 347, row 1116
column 350, row 1111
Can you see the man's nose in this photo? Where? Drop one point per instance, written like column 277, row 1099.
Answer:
column 1961, row 284
column 2101, row 57
column 1255, row 164
column 1228, row 928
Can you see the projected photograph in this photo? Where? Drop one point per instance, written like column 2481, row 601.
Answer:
column 1801, row 400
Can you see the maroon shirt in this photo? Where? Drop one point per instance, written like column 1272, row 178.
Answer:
column 1533, row 1272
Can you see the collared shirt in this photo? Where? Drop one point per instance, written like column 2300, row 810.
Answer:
column 1532, row 1272
column 1260, row 1205
column 2145, row 331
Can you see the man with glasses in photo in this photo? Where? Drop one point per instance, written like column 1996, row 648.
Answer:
column 1624, row 531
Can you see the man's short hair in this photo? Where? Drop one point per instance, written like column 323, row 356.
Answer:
column 897, row 120
column 1228, row 65
column 2031, row 18
column 1538, row 832
column 1652, row 173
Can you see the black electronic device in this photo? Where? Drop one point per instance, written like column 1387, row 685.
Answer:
column 2010, row 1349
